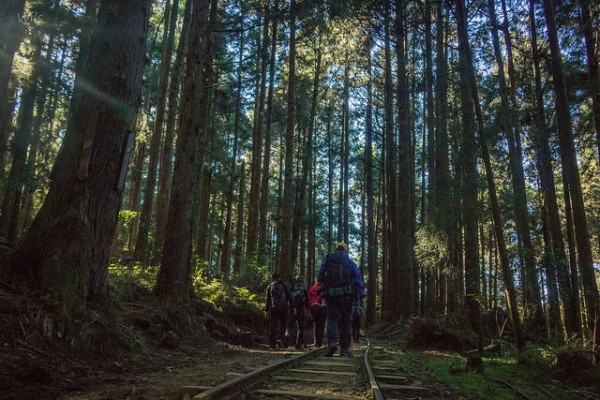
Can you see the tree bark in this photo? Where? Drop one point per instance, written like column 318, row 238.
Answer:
column 173, row 278
column 11, row 34
column 9, row 216
column 165, row 178
column 284, row 266
column 66, row 250
column 257, row 144
column 392, row 231
column 142, row 251
column 569, row 161
column 549, row 200
column 403, row 282
column 591, row 48
column 533, row 312
column 369, row 193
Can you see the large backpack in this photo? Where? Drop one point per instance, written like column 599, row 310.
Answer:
column 278, row 298
column 297, row 294
column 337, row 274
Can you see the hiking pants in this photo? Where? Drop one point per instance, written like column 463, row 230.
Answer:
column 297, row 325
column 278, row 319
column 339, row 321
column 319, row 318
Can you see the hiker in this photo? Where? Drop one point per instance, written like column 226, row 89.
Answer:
column 341, row 283
column 318, row 311
column 358, row 313
column 298, row 311
column 277, row 302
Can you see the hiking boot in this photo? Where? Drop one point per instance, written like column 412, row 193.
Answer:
column 331, row 351
column 346, row 353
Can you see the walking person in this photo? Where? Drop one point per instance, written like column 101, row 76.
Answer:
column 341, row 283
column 318, row 312
column 298, row 312
column 277, row 302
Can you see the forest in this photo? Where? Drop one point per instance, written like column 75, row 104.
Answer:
column 174, row 149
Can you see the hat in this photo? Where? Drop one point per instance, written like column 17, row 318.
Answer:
column 341, row 244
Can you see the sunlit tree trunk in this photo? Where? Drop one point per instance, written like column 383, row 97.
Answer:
column 11, row 33
column 264, row 192
column 11, row 202
column 257, row 142
column 66, row 250
column 531, row 292
column 141, row 251
column 226, row 257
column 173, row 278
column 25, row 210
column 497, row 219
column 165, row 177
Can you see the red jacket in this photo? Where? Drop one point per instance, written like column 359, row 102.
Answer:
column 315, row 299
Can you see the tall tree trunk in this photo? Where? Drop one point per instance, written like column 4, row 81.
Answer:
column 173, row 278
column 141, row 251
column 25, row 210
column 470, row 209
column 66, row 250
column 544, row 163
column 226, row 257
column 284, row 266
column 300, row 206
column 392, row 231
column 569, row 161
column 264, row 195
column 11, row 34
column 165, row 178
column 442, row 210
column 402, row 282
column 591, row 47
column 135, row 187
column 257, row 142
column 345, row 154
column 9, row 216
column 369, row 193
column 498, row 225
column 239, row 233
column 533, row 312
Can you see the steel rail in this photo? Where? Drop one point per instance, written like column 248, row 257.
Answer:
column 236, row 386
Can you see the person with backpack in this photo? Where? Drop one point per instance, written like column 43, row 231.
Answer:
column 298, row 311
column 341, row 284
column 277, row 302
column 318, row 312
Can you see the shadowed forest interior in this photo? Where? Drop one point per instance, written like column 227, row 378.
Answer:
column 454, row 145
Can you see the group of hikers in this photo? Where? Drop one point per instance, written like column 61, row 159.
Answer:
column 335, row 301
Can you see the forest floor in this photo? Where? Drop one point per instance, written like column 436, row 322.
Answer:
column 34, row 367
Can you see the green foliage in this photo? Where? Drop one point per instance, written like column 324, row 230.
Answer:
column 490, row 384
column 537, row 356
column 131, row 283
column 431, row 246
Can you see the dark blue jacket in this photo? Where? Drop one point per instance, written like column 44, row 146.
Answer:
column 355, row 277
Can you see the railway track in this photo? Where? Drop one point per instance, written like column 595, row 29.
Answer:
column 370, row 374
